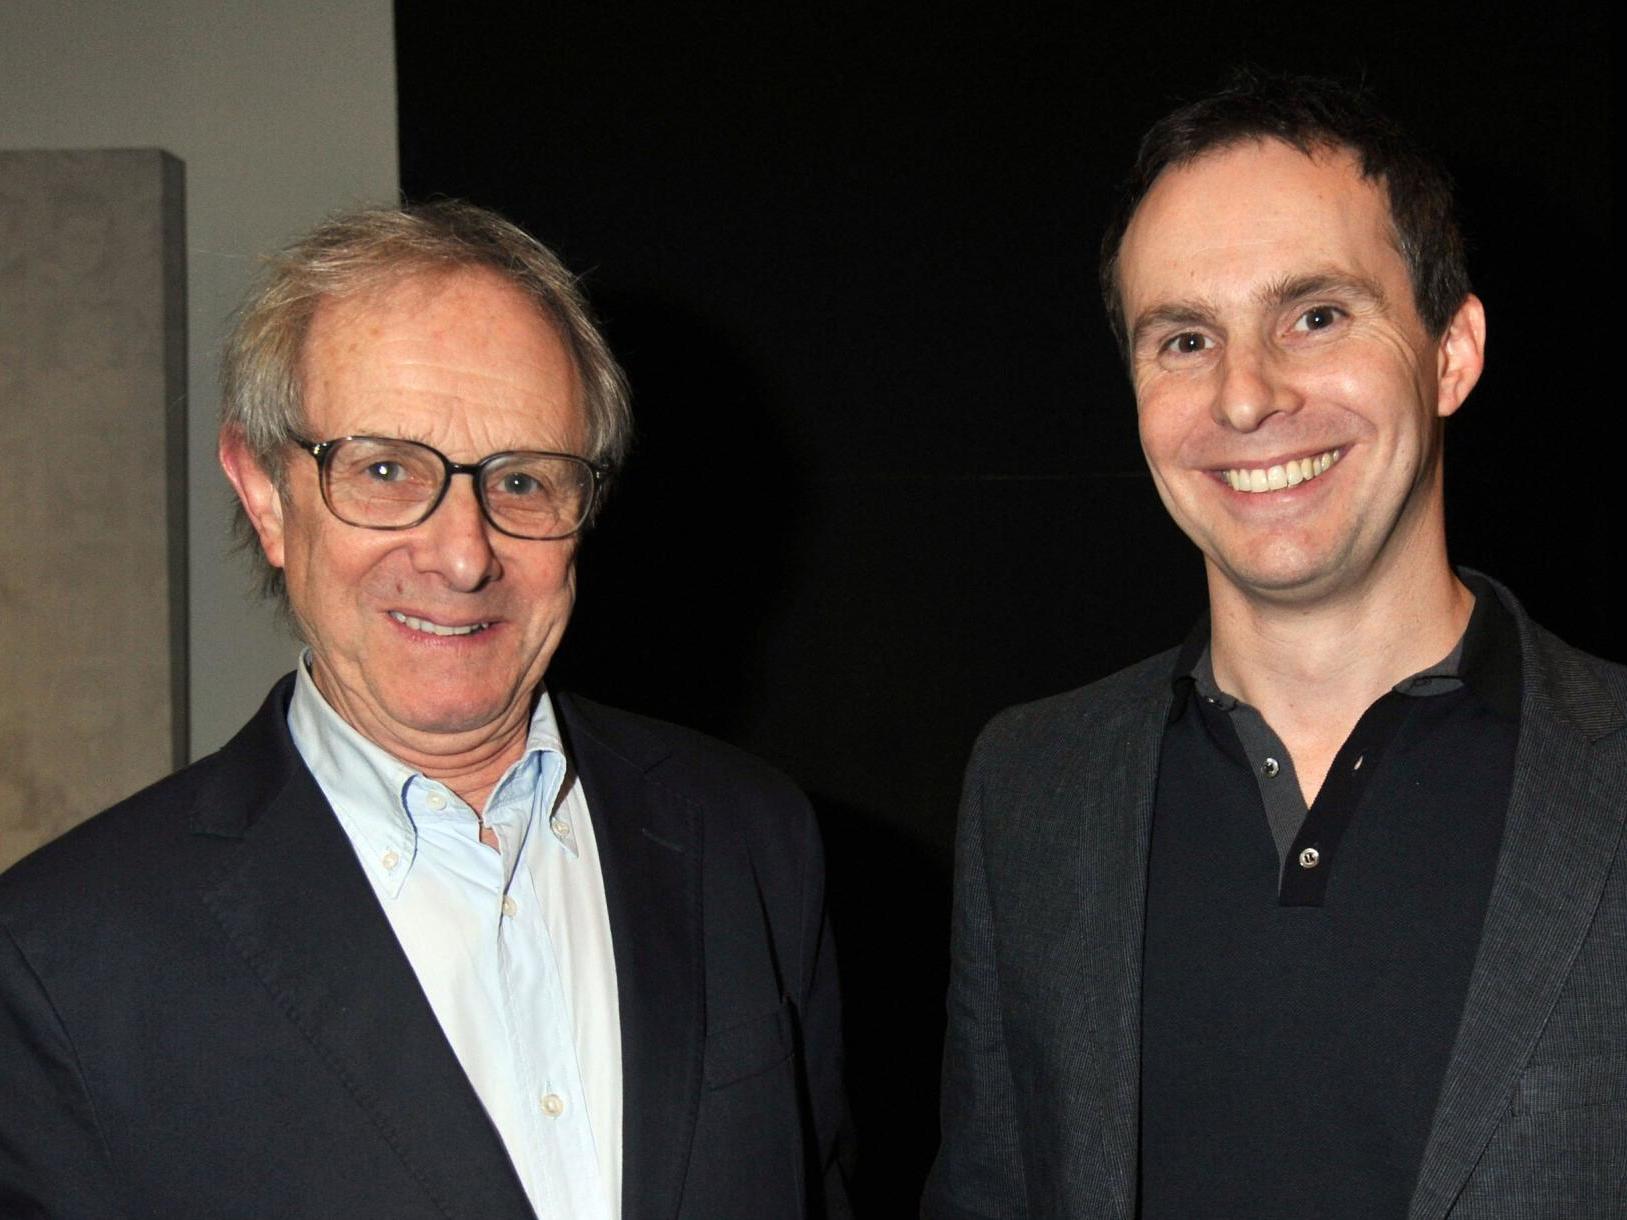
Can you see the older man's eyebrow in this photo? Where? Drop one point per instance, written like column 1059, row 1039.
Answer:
column 1171, row 314
column 1337, row 284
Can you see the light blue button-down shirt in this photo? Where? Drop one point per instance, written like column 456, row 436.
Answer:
column 512, row 947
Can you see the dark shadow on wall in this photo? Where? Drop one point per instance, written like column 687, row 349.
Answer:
column 889, row 902
column 686, row 570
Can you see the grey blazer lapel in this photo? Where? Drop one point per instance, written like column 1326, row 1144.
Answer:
column 1124, row 754
column 1560, row 839
column 649, row 842
column 1072, row 877
column 294, row 903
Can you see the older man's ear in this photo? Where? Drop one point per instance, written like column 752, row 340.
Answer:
column 256, row 490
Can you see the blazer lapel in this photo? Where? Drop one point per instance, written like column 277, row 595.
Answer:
column 1076, row 927
column 1560, row 839
column 1123, row 755
column 649, row 842
column 295, row 904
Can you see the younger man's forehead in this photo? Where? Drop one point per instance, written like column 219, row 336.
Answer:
column 1257, row 208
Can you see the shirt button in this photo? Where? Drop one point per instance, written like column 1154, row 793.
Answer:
column 436, row 801
column 510, row 907
column 389, row 859
column 560, row 827
column 1269, row 768
column 553, row 1105
column 1310, row 858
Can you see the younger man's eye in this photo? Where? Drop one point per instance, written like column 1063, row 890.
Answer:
column 1318, row 317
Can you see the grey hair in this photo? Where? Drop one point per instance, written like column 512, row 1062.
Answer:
column 369, row 248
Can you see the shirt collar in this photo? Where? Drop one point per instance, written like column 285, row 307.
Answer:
column 1486, row 659
column 373, row 793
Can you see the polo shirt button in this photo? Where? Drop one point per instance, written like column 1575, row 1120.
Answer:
column 1310, row 858
column 553, row 1105
column 1269, row 768
column 510, row 907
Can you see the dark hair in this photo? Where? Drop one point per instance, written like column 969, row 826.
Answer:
column 1313, row 115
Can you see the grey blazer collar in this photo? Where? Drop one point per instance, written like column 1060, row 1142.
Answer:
column 1562, row 832
column 1560, row 839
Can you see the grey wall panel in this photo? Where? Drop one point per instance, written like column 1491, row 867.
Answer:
column 93, row 603
column 283, row 111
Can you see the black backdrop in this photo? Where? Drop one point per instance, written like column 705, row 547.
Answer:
column 887, row 478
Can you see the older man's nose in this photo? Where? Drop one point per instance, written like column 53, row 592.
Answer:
column 456, row 542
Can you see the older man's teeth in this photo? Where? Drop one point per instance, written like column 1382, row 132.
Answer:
column 1289, row 474
column 429, row 628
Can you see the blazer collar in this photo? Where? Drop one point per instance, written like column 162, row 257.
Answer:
column 294, row 903
column 649, row 840
column 1560, row 839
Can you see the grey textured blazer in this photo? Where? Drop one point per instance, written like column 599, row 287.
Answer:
column 1041, row 1068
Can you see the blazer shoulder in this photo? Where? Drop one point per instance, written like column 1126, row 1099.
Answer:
column 1058, row 720
column 154, row 831
column 1561, row 681
column 683, row 760
column 1566, row 667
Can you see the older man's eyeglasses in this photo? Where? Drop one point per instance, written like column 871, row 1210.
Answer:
column 381, row 483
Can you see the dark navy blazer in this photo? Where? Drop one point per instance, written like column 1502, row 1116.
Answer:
column 203, row 1011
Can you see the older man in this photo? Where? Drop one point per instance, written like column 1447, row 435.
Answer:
column 425, row 938
column 1323, row 914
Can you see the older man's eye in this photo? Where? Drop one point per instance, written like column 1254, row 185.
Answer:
column 386, row 472
column 516, row 483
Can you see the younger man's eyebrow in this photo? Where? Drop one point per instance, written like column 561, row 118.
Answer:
column 1319, row 284
column 1273, row 295
column 1171, row 314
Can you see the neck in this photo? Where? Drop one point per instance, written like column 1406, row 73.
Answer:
column 1312, row 669
column 469, row 762
column 472, row 775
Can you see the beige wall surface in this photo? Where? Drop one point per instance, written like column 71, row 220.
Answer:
column 92, row 507
column 282, row 111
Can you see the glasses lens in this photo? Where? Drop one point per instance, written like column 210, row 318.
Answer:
column 538, row 495
column 378, row 482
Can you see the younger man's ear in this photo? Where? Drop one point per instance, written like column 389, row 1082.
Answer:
column 1460, row 356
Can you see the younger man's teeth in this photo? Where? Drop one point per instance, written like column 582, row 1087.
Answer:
column 423, row 624
column 1289, row 474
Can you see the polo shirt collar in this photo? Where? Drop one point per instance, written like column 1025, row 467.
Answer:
column 1486, row 659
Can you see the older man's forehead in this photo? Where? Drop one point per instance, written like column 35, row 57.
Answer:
column 465, row 336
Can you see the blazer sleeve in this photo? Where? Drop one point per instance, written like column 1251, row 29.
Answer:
column 52, row 1159
column 978, row 1172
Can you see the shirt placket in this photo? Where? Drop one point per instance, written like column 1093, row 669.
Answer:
column 539, row 1028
